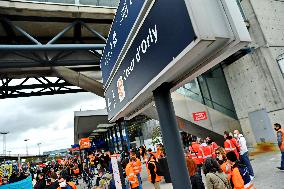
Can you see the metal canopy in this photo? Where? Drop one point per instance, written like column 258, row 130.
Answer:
column 14, row 88
column 76, row 46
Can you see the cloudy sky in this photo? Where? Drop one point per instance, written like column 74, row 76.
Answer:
column 47, row 119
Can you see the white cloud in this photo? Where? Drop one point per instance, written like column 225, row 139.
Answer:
column 47, row 120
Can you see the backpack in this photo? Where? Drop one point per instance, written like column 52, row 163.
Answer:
column 244, row 173
column 159, row 169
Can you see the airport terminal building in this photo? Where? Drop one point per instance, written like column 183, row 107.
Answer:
column 243, row 92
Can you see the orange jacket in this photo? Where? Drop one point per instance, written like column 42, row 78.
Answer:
column 231, row 145
column 196, row 153
column 207, row 151
column 191, row 166
column 132, row 177
column 226, row 168
column 137, row 166
column 213, row 147
column 158, row 178
column 282, row 144
column 237, row 179
column 158, row 153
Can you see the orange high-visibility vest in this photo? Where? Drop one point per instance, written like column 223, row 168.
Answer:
column 237, row 179
column 158, row 178
column 229, row 146
column 282, row 144
column 213, row 147
column 207, row 151
column 196, row 153
column 137, row 166
column 227, row 169
column 132, row 178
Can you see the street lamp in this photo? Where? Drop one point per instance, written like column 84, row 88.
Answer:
column 9, row 152
column 38, row 144
column 27, row 150
column 4, row 133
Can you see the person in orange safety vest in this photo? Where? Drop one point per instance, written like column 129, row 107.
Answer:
column 213, row 146
column 206, row 149
column 130, row 173
column 231, row 144
column 280, row 140
column 137, row 168
column 153, row 177
column 238, row 180
column 196, row 153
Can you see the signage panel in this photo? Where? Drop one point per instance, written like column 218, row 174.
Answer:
column 198, row 116
column 177, row 41
column 126, row 15
column 166, row 31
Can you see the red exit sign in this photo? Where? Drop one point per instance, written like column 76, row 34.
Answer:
column 198, row 116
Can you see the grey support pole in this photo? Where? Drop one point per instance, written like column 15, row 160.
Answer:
column 116, row 138
column 112, row 139
column 121, row 136
column 171, row 137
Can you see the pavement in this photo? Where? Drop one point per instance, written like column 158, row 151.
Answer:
column 267, row 176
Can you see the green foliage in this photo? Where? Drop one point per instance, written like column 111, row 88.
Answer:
column 156, row 135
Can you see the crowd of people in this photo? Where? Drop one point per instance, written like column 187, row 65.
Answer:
column 223, row 167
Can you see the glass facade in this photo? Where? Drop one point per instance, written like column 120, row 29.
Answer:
column 211, row 89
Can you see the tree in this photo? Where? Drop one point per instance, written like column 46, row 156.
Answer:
column 156, row 135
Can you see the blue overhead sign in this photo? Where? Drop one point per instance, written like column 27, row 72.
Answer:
column 165, row 33
column 126, row 15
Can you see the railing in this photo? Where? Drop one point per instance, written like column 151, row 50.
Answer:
column 105, row 3
column 203, row 100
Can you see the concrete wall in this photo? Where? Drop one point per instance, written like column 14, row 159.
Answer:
column 255, row 81
column 217, row 122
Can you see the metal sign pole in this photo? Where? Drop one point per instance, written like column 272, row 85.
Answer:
column 171, row 137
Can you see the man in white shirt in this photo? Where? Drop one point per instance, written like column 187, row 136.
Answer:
column 244, row 156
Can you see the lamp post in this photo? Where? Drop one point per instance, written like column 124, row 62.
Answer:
column 27, row 150
column 9, row 152
column 38, row 144
column 4, row 133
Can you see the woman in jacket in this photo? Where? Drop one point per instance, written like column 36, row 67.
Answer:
column 214, row 176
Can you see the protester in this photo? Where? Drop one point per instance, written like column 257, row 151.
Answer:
column 130, row 172
column 280, row 140
column 240, row 175
column 231, row 144
column 207, row 150
column 213, row 146
column 40, row 184
column 153, row 177
column 214, row 176
column 195, row 178
column 224, row 164
column 244, row 155
column 196, row 153
column 63, row 184
column 137, row 167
